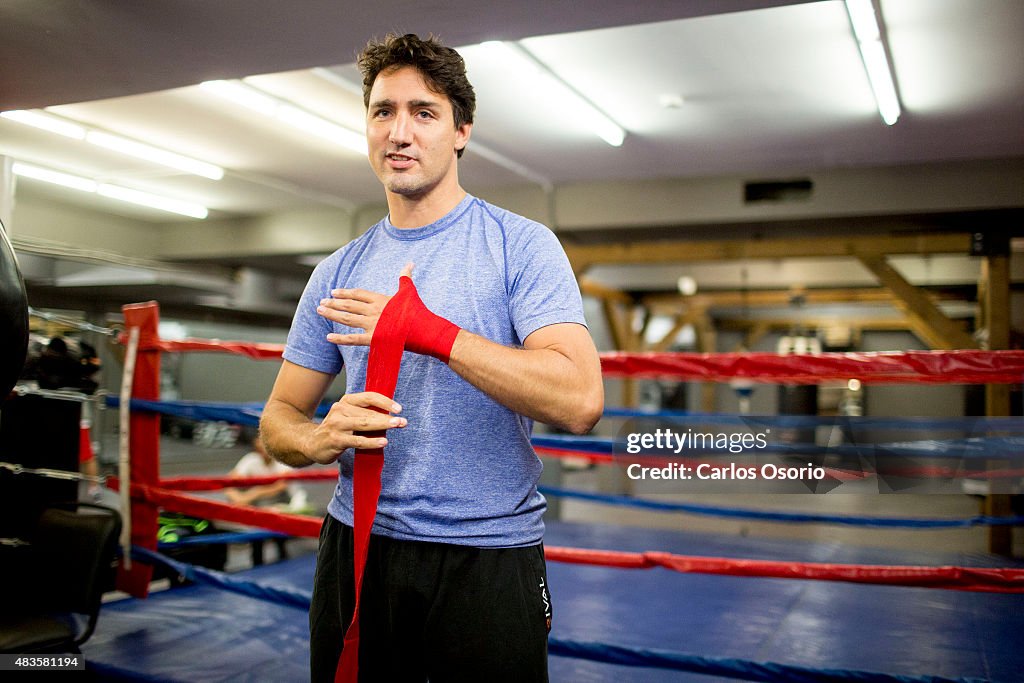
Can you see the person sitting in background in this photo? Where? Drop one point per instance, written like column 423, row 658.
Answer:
column 281, row 495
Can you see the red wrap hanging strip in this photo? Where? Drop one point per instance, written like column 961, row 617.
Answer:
column 405, row 321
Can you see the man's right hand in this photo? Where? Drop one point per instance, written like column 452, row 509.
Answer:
column 346, row 422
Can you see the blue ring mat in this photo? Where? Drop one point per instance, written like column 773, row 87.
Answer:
column 198, row 633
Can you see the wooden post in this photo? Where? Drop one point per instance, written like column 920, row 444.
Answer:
column 706, row 343
column 995, row 288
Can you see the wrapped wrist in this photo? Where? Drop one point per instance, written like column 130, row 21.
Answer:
column 428, row 333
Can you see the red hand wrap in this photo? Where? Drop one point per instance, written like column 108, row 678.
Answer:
column 428, row 333
column 405, row 323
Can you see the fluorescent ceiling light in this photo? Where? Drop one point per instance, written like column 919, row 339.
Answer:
column 243, row 95
column 252, row 98
column 311, row 123
column 576, row 107
column 123, row 194
column 53, row 177
column 868, row 32
column 153, row 201
column 158, row 156
column 46, row 122
column 60, row 126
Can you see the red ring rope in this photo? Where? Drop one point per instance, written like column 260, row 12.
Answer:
column 992, row 580
column 904, row 367
column 907, row 367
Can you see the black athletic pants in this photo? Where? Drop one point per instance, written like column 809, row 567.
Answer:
column 431, row 611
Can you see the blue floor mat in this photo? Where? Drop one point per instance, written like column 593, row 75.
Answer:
column 200, row 634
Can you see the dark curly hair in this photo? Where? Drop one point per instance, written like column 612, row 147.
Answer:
column 441, row 66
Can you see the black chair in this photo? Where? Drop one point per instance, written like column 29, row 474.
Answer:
column 52, row 587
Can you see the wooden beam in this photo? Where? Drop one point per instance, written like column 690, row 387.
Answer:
column 616, row 326
column 619, row 320
column 589, row 287
column 755, row 334
column 926, row 320
column 578, row 265
column 645, row 321
column 665, row 342
column 684, row 251
column 786, row 323
column 763, row 298
column 995, row 290
column 995, row 273
column 706, row 343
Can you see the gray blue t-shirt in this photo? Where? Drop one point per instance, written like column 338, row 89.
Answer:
column 463, row 470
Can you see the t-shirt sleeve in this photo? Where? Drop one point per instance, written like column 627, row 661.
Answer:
column 244, row 467
column 307, row 343
column 542, row 288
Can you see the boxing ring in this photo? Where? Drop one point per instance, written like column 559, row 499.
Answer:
column 630, row 604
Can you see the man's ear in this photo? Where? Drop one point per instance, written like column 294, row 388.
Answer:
column 462, row 135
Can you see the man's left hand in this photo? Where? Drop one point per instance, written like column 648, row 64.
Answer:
column 358, row 308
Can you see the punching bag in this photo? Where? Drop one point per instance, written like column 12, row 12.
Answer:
column 13, row 317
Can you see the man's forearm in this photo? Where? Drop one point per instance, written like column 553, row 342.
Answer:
column 555, row 379
column 255, row 493
column 545, row 384
column 285, row 430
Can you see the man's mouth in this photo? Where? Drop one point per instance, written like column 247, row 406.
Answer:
column 394, row 156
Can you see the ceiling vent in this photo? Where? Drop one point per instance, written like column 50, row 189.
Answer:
column 778, row 191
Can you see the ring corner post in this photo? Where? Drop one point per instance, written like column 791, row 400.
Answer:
column 144, row 443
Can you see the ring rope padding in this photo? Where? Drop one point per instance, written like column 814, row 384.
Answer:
column 15, row 468
column 73, row 323
column 967, row 366
column 124, row 462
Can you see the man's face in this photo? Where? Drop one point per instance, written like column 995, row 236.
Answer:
column 411, row 134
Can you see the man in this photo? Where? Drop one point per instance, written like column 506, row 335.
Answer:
column 282, row 495
column 258, row 463
column 455, row 586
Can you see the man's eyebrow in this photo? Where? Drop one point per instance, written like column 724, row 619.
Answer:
column 433, row 104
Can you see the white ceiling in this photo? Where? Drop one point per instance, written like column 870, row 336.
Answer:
column 768, row 86
column 763, row 90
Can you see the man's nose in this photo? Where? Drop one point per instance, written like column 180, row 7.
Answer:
column 401, row 131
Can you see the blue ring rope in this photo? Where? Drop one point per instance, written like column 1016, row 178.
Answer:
column 764, row 515
column 744, row 669
column 1006, row 447
column 981, row 448
column 211, row 539
column 278, row 594
column 248, row 414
